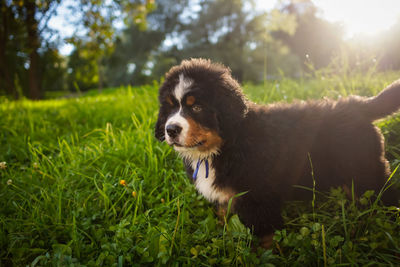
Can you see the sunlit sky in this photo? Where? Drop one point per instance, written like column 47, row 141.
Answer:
column 362, row 16
column 357, row 16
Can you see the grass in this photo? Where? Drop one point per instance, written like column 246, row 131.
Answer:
column 85, row 183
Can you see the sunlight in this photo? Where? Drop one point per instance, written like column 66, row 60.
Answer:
column 357, row 16
column 361, row 16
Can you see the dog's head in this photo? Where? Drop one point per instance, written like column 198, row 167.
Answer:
column 201, row 105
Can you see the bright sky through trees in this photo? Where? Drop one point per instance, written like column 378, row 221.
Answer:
column 361, row 16
column 358, row 16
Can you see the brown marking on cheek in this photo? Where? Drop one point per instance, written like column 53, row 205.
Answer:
column 213, row 140
column 190, row 100
column 195, row 134
column 198, row 133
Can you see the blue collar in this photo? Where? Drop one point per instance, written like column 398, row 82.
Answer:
column 198, row 167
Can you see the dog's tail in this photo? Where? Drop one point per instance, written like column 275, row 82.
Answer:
column 384, row 104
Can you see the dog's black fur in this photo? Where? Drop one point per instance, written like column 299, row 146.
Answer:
column 267, row 149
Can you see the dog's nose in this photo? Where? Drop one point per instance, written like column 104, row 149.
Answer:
column 173, row 130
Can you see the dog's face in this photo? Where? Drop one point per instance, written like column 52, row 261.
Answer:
column 190, row 117
column 187, row 121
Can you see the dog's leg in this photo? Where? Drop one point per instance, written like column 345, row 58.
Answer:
column 261, row 214
column 267, row 241
column 220, row 211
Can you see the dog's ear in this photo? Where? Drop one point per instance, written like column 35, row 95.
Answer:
column 159, row 130
column 232, row 109
column 160, row 126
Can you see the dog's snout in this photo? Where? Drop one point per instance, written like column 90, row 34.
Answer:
column 173, row 130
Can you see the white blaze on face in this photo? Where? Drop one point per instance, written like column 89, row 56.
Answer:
column 180, row 89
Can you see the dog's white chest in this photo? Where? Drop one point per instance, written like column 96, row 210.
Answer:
column 206, row 187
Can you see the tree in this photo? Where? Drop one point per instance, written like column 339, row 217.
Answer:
column 231, row 32
column 82, row 68
column 221, row 30
column 98, row 17
column 20, row 34
column 8, row 26
column 53, row 64
column 138, row 47
column 27, row 22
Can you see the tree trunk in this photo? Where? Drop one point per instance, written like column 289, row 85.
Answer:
column 6, row 78
column 5, row 75
column 33, row 44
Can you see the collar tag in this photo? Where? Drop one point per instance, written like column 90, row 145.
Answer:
column 198, row 167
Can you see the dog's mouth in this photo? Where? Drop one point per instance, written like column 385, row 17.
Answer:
column 198, row 144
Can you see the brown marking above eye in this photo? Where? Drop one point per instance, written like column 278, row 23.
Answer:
column 190, row 100
column 169, row 101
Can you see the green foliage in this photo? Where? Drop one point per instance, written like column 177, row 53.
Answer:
column 53, row 64
column 128, row 63
column 29, row 61
column 340, row 231
column 257, row 45
column 135, row 47
column 288, row 89
column 98, row 42
column 85, row 183
column 228, row 32
column 83, row 69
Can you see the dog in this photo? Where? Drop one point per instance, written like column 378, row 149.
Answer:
column 230, row 145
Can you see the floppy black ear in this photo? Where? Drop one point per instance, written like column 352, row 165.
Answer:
column 232, row 108
column 160, row 126
column 164, row 110
column 230, row 116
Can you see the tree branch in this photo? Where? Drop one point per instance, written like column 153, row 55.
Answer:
column 47, row 14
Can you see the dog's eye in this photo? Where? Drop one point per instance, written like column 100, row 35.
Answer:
column 197, row 108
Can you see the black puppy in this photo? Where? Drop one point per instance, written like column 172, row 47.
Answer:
column 231, row 145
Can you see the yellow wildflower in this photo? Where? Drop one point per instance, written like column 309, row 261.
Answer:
column 122, row 182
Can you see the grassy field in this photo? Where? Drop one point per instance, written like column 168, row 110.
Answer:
column 83, row 182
